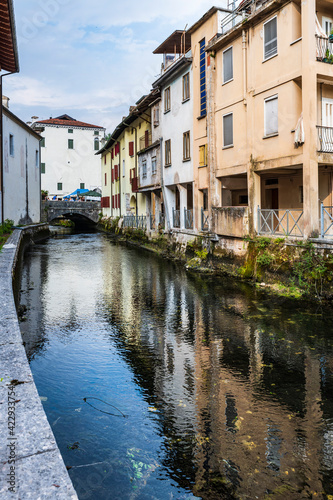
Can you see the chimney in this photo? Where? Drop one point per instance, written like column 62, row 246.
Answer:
column 5, row 101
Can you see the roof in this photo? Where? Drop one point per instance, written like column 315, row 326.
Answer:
column 67, row 121
column 179, row 42
column 136, row 111
column 21, row 123
column 172, row 71
column 8, row 43
column 204, row 18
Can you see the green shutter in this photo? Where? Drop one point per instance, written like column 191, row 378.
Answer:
column 42, row 168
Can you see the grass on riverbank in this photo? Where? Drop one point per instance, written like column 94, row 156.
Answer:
column 5, row 231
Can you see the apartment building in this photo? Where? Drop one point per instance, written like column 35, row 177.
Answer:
column 270, row 118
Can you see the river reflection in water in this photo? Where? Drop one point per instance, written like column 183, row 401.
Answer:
column 226, row 394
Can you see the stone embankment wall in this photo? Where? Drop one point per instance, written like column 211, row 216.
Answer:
column 31, row 466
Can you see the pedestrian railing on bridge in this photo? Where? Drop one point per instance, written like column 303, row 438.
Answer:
column 280, row 222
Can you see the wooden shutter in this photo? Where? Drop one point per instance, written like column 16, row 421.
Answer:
column 131, row 148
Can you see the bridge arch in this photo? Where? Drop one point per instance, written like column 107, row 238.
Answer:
column 80, row 212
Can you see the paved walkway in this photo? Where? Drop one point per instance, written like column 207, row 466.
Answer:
column 31, row 466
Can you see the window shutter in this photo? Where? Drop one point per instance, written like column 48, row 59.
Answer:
column 146, row 138
column 119, row 200
column 105, row 179
column 271, row 116
column 228, row 138
column 227, row 65
column 131, row 148
column 270, row 38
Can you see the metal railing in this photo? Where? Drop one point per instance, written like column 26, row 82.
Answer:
column 204, row 220
column 324, row 50
column 326, row 221
column 188, row 218
column 325, row 139
column 176, row 218
column 280, row 222
column 137, row 222
column 161, row 220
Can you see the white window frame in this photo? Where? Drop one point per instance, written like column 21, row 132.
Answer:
column 167, row 99
column 144, row 169
column 226, row 146
column 232, row 64
column 325, row 20
column 266, row 58
column 268, row 99
column 186, row 145
column 153, row 161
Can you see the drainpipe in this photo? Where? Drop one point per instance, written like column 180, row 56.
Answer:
column 1, row 151
column 163, row 188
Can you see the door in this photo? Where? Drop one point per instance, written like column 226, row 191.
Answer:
column 327, row 24
column 326, row 134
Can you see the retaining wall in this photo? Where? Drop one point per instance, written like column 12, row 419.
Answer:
column 31, row 466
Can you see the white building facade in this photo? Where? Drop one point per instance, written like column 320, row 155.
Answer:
column 175, row 128
column 68, row 160
column 21, row 171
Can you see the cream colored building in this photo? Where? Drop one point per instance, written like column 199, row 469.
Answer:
column 269, row 119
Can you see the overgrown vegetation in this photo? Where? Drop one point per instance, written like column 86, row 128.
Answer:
column 64, row 223
column 5, row 231
column 301, row 265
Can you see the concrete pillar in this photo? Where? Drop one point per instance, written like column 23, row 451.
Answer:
column 254, row 190
column 183, row 204
column 214, row 196
column 309, row 105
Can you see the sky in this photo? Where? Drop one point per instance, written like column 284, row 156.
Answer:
column 91, row 60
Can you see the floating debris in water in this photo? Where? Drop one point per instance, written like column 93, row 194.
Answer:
column 43, row 398
column 152, row 409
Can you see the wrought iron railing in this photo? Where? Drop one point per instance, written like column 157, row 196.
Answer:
column 204, row 220
column 326, row 222
column 176, row 218
column 324, row 50
column 188, row 219
column 280, row 222
column 325, row 139
column 136, row 222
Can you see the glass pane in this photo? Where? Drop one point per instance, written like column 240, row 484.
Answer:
column 228, row 130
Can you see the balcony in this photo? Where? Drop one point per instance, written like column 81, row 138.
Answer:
column 145, row 141
column 325, row 139
column 324, row 51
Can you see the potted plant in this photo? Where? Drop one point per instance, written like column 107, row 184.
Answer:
column 330, row 36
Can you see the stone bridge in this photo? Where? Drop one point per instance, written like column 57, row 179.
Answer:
column 80, row 212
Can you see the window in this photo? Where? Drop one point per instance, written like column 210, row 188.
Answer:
column 186, row 87
column 81, row 185
column 42, row 168
column 228, row 133
column 168, row 153
column 131, row 148
column 70, row 144
column 96, row 144
column 156, row 115
column 167, row 100
column 153, row 165
column 203, row 155
column 96, row 132
column 202, row 78
column 327, row 24
column 186, row 146
column 11, row 144
column 144, row 169
column 105, row 179
column 42, row 142
column 228, row 70
column 37, row 158
column 70, row 130
column 270, row 38
column 59, row 186
column 271, row 116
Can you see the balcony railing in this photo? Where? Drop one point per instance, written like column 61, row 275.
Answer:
column 326, row 222
column 324, row 51
column 136, row 222
column 145, row 141
column 325, row 139
column 176, row 218
column 280, row 222
column 204, row 220
column 188, row 219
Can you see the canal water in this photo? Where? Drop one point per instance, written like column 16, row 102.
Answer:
column 163, row 385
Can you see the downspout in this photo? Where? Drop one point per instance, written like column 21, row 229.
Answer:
column 163, row 188
column 1, row 152
column 26, row 182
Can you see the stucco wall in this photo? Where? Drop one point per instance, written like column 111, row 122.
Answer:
column 21, row 174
